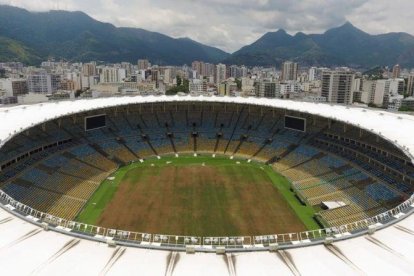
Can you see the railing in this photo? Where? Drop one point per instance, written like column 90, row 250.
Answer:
column 250, row 243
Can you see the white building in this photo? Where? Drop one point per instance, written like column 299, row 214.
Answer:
column 290, row 87
column 42, row 82
column 198, row 86
column 110, row 75
column 122, row 74
column 388, row 91
column 337, row 86
column 312, row 73
column 247, row 84
column 369, row 93
column 167, row 76
column 396, row 86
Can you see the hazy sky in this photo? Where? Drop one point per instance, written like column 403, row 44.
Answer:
column 231, row 24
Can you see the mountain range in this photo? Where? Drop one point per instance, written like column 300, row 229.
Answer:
column 342, row 46
column 32, row 37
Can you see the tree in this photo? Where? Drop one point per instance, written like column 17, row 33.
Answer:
column 239, row 84
column 405, row 108
column 182, row 86
column 78, row 93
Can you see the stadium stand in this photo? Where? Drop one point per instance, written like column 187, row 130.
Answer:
column 325, row 163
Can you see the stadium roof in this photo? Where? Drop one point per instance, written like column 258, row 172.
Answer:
column 26, row 249
column 395, row 127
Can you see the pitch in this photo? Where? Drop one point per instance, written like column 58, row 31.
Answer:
column 201, row 196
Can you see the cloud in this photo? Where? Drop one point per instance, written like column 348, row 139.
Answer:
column 231, row 24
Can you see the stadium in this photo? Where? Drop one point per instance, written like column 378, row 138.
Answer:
column 205, row 185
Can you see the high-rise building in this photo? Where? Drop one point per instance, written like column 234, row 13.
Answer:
column 396, row 71
column 89, row 69
column 42, row 82
column 220, row 73
column 67, row 85
column 397, row 86
column 312, row 73
column 382, row 88
column 267, row 89
column 14, row 87
column 155, row 76
column 167, row 76
column 198, row 86
column 392, row 90
column 207, row 69
column 337, row 86
column 410, row 85
column 198, row 67
column 143, row 64
column 128, row 68
column 237, row 72
column 227, row 88
column 109, row 75
column 289, row 88
column 247, row 84
column 289, row 71
column 122, row 74
column 368, row 89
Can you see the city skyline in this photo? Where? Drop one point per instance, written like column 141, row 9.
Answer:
column 229, row 25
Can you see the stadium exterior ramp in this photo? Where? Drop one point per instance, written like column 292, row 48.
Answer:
column 27, row 248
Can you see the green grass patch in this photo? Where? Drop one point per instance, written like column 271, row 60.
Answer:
column 304, row 212
column 99, row 200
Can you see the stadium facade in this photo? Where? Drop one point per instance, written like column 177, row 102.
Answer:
column 371, row 240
